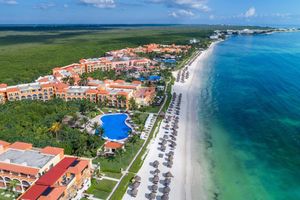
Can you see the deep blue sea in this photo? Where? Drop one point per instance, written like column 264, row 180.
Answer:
column 250, row 105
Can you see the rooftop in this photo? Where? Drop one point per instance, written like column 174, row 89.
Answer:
column 28, row 158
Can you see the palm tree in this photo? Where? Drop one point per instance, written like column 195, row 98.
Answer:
column 95, row 127
column 122, row 99
column 132, row 104
column 74, row 120
column 71, row 81
column 65, row 79
column 55, row 128
column 83, row 79
column 106, row 102
column 120, row 153
column 12, row 185
column 84, row 121
column 101, row 131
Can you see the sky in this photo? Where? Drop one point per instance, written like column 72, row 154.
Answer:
column 235, row 12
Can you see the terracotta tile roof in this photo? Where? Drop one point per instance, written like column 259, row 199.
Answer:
column 34, row 192
column 45, row 79
column 79, row 167
column 103, row 91
column 119, row 81
column 52, row 176
column 52, row 150
column 3, row 85
column 113, row 145
column 47, row 85
column 123, row 86
column 122, row 93
column 54, row 194
column 136, row 82
column 19, row 168
column 21, row 146
column 4, row 144
column 14, row 89
column 91, row 91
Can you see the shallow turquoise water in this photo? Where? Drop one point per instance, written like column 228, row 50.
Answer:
column 250, row 107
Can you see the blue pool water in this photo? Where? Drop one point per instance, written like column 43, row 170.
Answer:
column 115, row 127
column 150, row 78
column 154, row 78
column 170, row 61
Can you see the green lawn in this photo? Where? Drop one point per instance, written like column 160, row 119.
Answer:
column 101, row 189
column 139, row 119
column 5, row 192
column 115, row 163
column 139, row 160
column 113, row 175
column 121, row 189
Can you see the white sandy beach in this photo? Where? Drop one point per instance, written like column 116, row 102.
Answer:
column 190, row 179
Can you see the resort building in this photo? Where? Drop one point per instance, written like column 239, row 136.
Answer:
column 159, row 48
column 42, row 173
column 110, row 147
column 31, row 91
column 66, row 180
column 3, row 93
column 22, row 164
column 111, row 93
column 65, row 82
column 144, row 96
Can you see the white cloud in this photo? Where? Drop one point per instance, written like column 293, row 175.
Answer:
column 211, row 17
column 182, row 13
column 185, row 4
column 100, row 3
column 44, row 6
column 250, row 12
column 66, row 6
column 9, row 2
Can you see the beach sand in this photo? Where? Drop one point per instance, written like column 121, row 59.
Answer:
column 190, row 168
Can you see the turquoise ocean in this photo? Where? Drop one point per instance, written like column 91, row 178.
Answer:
column 250, row 113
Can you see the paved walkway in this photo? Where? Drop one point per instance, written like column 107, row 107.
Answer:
column 137, row 154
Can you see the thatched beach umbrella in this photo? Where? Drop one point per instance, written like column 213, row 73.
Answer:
column 170, row 158
column 164, row 197
column 166, row 137
column 164, row 142
column 155, row 179
column 156, row 171
column 136, row 184
column 152, row 195
column 155, row 163
column 134, row 192
column 168, row 174
column 137, row 178
column 166, row 189
column 170, row 163
column 167, row 181
column 154, row 187
column 171, row 153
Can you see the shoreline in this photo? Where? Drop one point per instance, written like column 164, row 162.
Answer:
column 188, row 174
column 195, row 174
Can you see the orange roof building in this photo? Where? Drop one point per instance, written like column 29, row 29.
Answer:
column 111, row 147
column 66, row 180
column 23, row 163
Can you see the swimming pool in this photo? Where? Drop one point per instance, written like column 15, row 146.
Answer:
column 115, row 127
